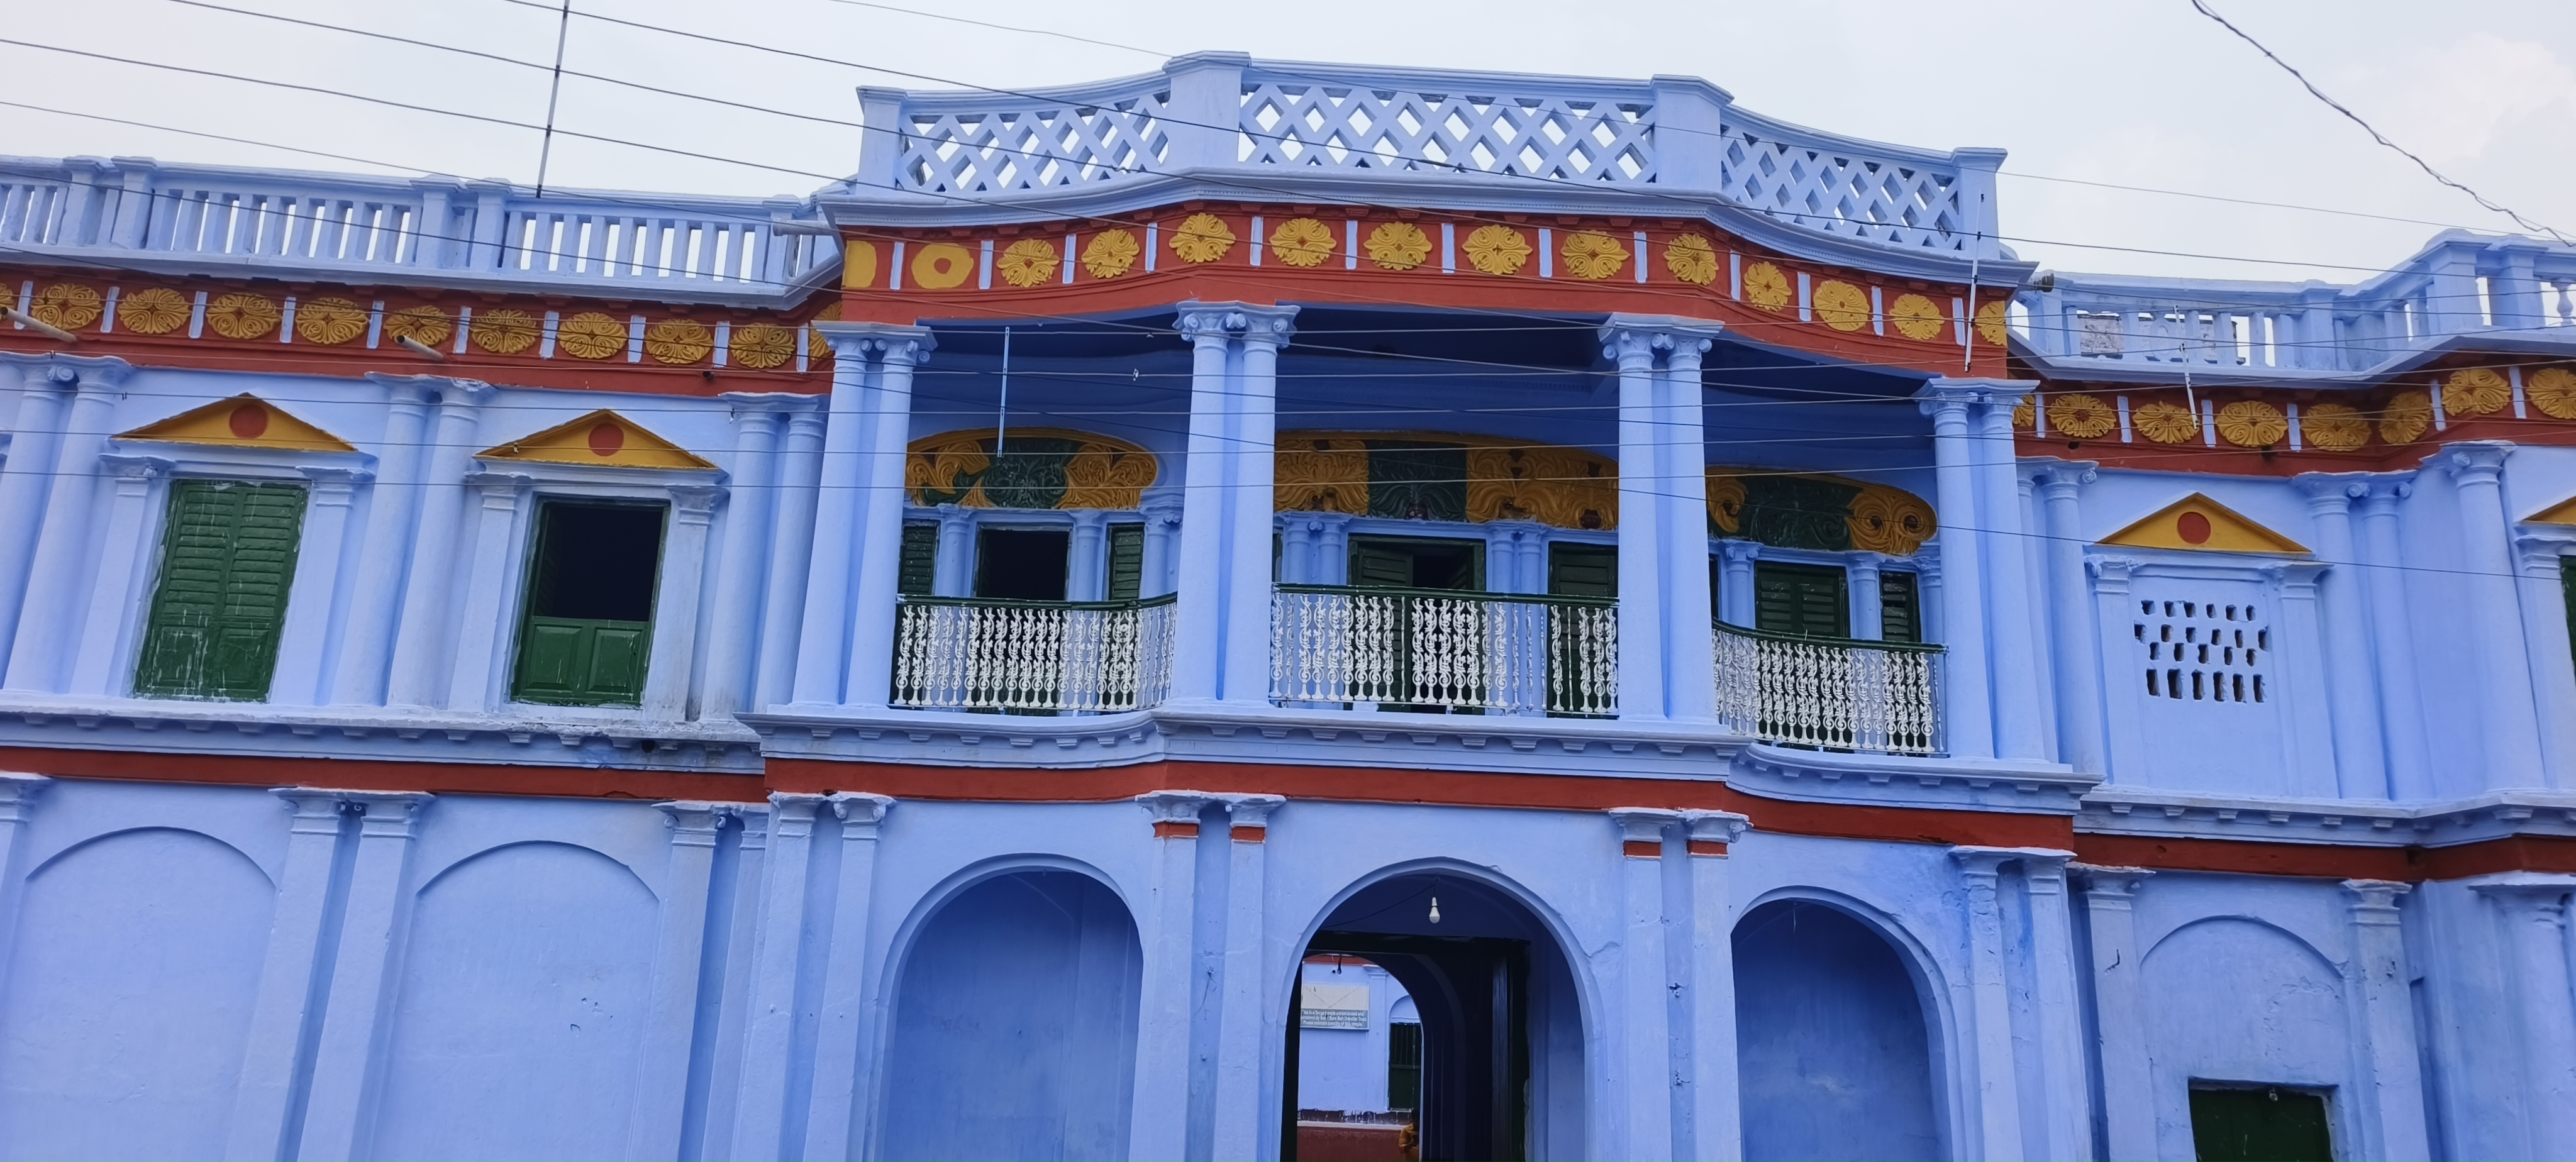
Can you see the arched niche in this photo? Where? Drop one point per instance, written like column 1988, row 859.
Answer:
column 1833, row 1042
column 1014, row 1023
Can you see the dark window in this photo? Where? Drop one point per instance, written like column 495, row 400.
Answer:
column 2259, row 1124
column 2567, row 581
column 1417, row 563
column 588, row 630
column 1900, row 615
column 1404, row 1066
column 1806, row 600
column 918, row 575
column 227, row 561
column 1126, row 562
column 1020, row 564
column 1583, row 570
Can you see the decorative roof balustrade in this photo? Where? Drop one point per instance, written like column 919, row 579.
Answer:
column 1209, row 114
column 2462, row 283
column 213, row 219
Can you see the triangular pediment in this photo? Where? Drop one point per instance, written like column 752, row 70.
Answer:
column 244, row 421
column 2561, row 513
column 602, row 439
column 2198, row 524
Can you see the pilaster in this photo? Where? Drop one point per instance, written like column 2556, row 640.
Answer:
column 2123, row 733
column 482, row 632
column 1735, row 590
column 2019, row 732
column 2392, row 637
column 424, row 639
column 743, row 559
column 1086, row 560
column 58, row 579
column 2360, row 759
column 102, row 660
column 1996, row 1119
column 1968, row 712
column 800, row 475
column 2510, row 727
column 331, row 496
column 952, row 567
column 2068, row 1120
column 366, row 644
column 2390, row 1076
column 340, row 1101
column 47, row 385
column 1159, row 1130
column 284, row 1005
column 2307, row 722
column 1162, row 513
column 2073, row 640
column 679, row 949
column 1644, row 1073
column 2533, row 911
column 845, row 1080
column 1245, row 1114
column 2541, row 552
column 673, row 664
column 760, row 1112
column 2128, row 1089
column 18, row 793
column 1716, row 1120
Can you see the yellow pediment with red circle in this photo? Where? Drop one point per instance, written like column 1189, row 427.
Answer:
column 2200, row 524
column 602, row 439
column 244, row 421
column 2561, row 513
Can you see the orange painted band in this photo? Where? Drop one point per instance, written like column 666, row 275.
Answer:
column 1708, row 847
column 1250, row 834
column 1643, row 849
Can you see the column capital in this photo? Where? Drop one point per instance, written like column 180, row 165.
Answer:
column 2528, row 895
column 2111, row 573
column 695, row 500
column 328, row 476
column 498, row 486
column 387, row 814
column 126, row 467
column 1631, row 337
column 2474, row 461
column 2333, row 492
column 1641, row 829
column 2062, row 479
column 791, row 813
column 1253, row 323
column 2538, row 548
column 860, row 812
column 18, row 791
column 1736, row 551
column 756, row 405
column 316, row 811
column 2103, row 883
column 1946, row 392
column 692, row 823
column 407, row 390
column 2386, row 489
column 1714, row 829
column 754, row 818
column 1987, row 862
column 1175, row 813
column 2375, row 901
column 905, row 343
column 1250, row 813
column 1315, row 521
column 70, row 372
column 2294, row 578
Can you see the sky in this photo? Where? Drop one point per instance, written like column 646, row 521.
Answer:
column 2145, row 93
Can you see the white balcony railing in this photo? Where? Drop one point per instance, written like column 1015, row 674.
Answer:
column 1829, row 692
column 1033, row 656
column 1444, row 650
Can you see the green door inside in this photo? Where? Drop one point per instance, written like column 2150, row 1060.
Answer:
column 227, row 561
column 588, row 632
column 2236, row 1124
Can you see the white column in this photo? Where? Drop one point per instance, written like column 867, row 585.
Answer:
column 952, row 565
column 99, row 666
column 1735, row 584
column 28, row 475
column 340, row 1100
column 670, row 1017
column 2307, row 725
column 760, row 1113
column 861, row 422
column 2361, row 764
column 1642, row 1073
column 2392, row 636
column 844, row 1080
column 675, row 603
column 484, row 640
column 1162, row 542
column 375, row 593
column 1641, row 575
column 2128, row 1089
column 18, row 793
column 791, row 556
column 2069, row 1118
column 1868, row 612
column 743, row 561
column 2533, row 909
column 1996, row 1120
column 733, row 1010
column 1967, row 714
column 879, row 568
column 1159, row 1131
column 2015, row 662
column 1221, row 645
column 57, row 582
column 2392, row 1091
column 2072, row 637
column 423, row 641
column 1244, row 1107
column 1716, row 1120
column 1298, row 532
column 1086, row 563
column 1666, row 669
column 2539, row 551
column 318, row 561
column 2123, row 735
column 261, row 1099
column 2511, row 728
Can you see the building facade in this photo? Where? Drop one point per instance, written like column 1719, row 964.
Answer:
column 913, row 671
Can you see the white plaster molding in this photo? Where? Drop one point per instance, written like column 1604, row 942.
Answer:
column 2113, row 810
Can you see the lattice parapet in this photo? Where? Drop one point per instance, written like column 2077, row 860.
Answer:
column 1910, row 198
column 980, row 149
column 1289, row 121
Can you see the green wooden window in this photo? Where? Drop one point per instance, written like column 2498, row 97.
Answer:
column 1126, row 562
column 227, row 561
column 1583, row 570
column 1806, row 600
column 1900, row 613
column 2235, row 1124
column 918, row 575
column 1404, row 1066
column 588, row 630
column 1417, row 563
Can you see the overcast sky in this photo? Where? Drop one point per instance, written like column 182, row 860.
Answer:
column 2144, row 93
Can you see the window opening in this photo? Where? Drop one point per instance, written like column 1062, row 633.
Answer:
column 1900, row 615
column 1583, row 570
column 1417, row 563
column 1126, row 562
column 1805, row 600
column 2227, row 672
column 588, row 630
column 2270, row 1123
column 227, row 561
column 1021, row 564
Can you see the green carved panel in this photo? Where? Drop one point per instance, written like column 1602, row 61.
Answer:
column 1798, row 513
column 1413, row 480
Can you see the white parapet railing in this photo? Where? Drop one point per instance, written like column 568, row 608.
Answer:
column 1443, row 650
column 1830, row 693
column 1032, row 656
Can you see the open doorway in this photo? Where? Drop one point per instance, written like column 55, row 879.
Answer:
column 1359, row 1062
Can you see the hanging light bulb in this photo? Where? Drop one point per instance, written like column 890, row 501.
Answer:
column 1435, row 909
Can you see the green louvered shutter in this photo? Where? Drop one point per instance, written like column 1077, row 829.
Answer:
column 1126, row 562
column 1583, row 571
column 227, row 561
column 1375, row 565
column 1806, row 600
column 1899, row 610
column 917, row 575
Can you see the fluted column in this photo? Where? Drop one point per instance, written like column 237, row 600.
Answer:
column 1967, row 711
column 2510, row 726
column 2392, row 637
column 743, row 559
column 791, row 556
column 2073, row 641
column 375, row 594
column 1716, row 1120
column 425, row 639
column 845, row 654
column 2533, row 908
column 1159, row 1129
column 1642, row 1081
column 2128, row 1088
column 2015, row 662
column 57, row 584
column 1666, row 663
column 1221, row 635
column 2392, row 1092
column 2361, row 761
column 1243, row 1019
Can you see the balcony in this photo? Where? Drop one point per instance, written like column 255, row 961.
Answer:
column 1032, row 657
column 1444, row 651
column 1829, row 693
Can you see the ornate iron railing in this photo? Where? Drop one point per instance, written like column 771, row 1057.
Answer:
column 955, row 653
column 1829, row 692
column 1511, row 653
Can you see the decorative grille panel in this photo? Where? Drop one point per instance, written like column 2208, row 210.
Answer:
column 1840, row 191
column 983, row 150
column 1290, row 122
column 2204, row 652
column 964, row 654
column 1833, row 693
column 1398, row 649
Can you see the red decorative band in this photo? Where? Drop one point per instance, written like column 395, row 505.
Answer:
column 1250, row 834
column 1708, row 847
column 1643, row 849
column 1168, row 829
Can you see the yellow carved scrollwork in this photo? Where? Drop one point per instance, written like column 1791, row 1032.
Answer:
column 1109, row 475
column 68, row 305
column 1302, row 242
column 760, row 346
column 1102, row 473
column 1591, row 256
column 504, row 331
column 243, row 315
column 2333, row 427
column 1202, row 238
column 2252, row 423
column 426, row 325
column 2165, row 422
column 1890, row 520
column 1563, row 487
column 590, row 335
column 1990, row 322
column 678, row 341
column 1314, row 473
column 2475, row 391
column 2081, row 416
column 1726, row 501
column 2407, row 415
column 329, row 321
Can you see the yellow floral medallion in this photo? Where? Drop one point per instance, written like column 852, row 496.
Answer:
column 1990, row 322
column 423, row 324
column 329, row 322
column 1916, row 317
column 2407, row 415
column 1398, row 245
column 941, row 265
column 67, row 305
column 1841, row 306
column 678, row 341
column 1497, row 249
column 2165, row 423
column 1027, row 262
column 2553, row 391
column 2252, row 423
column 242, row 315
column 2475, row 391
column 591, row 335
column 1691, row 259
column 2025, row 415
column 2082, row 417
column 503, row 331
column 760, row 346
column 1202, row 238
column 1766, row 287
column 2333, row 427
column 1111, row 253
column 1593, row 257
column 1302, row 242
column 152, row 311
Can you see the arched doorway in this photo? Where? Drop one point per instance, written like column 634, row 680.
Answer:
column 1834, row 1056
column 1495, row 1017
column 1015, row 1024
